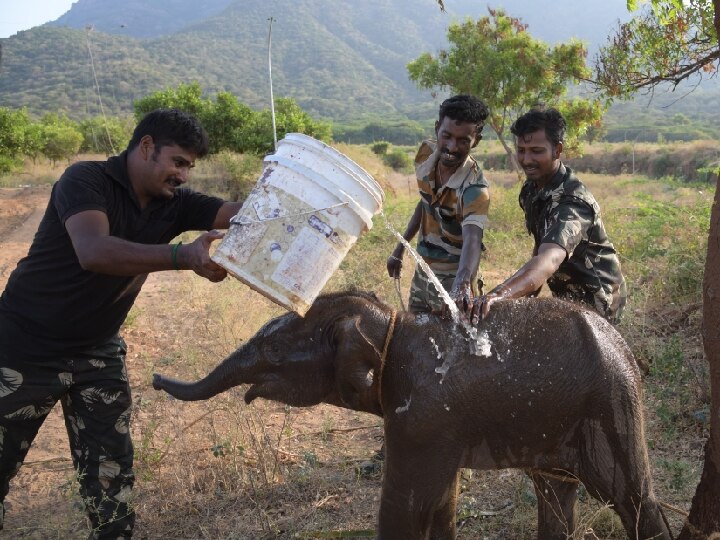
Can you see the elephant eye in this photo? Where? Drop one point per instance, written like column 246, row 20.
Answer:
column 273, row 349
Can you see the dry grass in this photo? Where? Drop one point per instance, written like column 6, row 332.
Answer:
column 221, row 469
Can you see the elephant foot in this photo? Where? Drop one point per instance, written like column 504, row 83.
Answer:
column 373, row 466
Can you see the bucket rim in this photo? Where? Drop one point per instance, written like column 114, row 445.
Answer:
column 366, row 177
column 363, row 213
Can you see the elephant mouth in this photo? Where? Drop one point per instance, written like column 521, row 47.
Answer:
column 278, row 391
column 253, row 393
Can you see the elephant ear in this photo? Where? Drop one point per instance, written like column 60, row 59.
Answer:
column 355, row 357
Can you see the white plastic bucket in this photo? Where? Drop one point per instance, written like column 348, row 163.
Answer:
column 306, row 211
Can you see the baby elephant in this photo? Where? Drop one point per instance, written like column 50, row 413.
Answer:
column 544, row 385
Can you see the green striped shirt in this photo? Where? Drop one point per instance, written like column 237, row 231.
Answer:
column 462, row 202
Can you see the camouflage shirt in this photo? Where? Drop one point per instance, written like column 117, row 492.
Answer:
column 565, row 213
column 463, row 201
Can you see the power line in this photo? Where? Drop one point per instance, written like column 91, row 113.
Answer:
column 97, row 89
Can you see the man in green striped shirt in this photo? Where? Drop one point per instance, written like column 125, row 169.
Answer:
column 452, row 212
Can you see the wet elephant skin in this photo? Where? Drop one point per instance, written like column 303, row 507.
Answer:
column 546, row 386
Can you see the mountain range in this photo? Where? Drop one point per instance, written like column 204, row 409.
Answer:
column 340, row 59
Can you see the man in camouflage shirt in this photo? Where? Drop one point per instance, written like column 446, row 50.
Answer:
column 572, row 251
column 452, row 212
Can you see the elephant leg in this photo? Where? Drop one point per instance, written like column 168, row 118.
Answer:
column 638, row 510
column 445, row 517
column 418, row 494
column 556, row 506
column 616, row 471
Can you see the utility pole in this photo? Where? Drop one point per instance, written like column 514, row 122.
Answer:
column 272, row 100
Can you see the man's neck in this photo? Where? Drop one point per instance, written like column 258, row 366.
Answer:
column 542, row 183
column 134, row 174
column 444, row 173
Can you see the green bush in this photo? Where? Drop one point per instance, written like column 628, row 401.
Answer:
column 16, row 138
column 9, row 164
column 232, row 125
column 397, row 159
column 105, row 135
column 380, row 148
column 242, row 171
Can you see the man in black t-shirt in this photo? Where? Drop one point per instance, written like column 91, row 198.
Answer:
column 107, row 225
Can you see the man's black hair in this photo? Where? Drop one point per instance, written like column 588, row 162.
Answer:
column 539, row 118
column 172, row 126
column 465, row 108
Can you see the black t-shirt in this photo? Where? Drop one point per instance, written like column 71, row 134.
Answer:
column 50, row 304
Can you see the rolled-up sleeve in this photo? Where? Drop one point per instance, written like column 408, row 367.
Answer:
column 475, row 206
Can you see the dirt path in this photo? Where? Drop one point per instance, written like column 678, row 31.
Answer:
column 21, row 210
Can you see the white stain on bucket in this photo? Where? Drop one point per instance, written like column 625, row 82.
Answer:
column 304, row 214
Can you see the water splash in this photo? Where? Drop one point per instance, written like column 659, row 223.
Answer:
column 454, row 311
column 481, row 344
column 404, row 408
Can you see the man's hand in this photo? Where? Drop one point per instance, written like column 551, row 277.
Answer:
column 394, row 264
column 196, row 257
column 481, row 307
column 463, row 297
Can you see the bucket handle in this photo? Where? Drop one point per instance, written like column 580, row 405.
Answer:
column 244, row 220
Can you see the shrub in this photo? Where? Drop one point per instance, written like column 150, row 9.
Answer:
column 242, row 173
column 380, row 148
column 105, row 135
column 397, row 159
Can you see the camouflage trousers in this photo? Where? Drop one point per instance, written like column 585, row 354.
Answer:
column 424, row 296
column 93, row 388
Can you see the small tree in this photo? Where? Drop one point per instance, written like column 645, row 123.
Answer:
column 496, row 59
column 13, row 130
column 257, row 136
column 105, row 135
column 232, row 125
column 225, row 121
column 186, row 97
column 61, row 137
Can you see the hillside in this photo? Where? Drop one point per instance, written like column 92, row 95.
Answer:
column 336, row 58
column 341, row 60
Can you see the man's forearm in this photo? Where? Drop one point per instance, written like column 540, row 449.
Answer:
column 115, row 256
column 469, row 256
column 533, row 273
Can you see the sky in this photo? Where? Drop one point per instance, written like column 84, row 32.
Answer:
column 17, row 15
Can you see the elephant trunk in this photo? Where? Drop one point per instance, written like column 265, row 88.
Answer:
column 223, row 377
